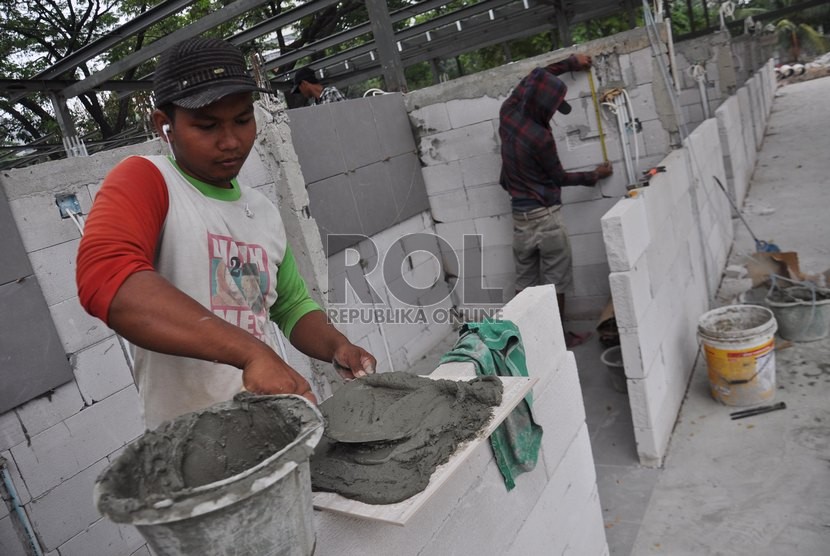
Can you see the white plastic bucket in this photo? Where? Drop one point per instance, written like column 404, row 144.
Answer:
column 739, row 343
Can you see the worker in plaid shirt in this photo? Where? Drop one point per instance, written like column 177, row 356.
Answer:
column 306, row 83
column 533, row 176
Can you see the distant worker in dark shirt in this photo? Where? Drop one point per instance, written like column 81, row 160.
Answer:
column 307, row 84
column 534, row 177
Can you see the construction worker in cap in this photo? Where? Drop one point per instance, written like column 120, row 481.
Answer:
column 188, row 264
column 307, row 84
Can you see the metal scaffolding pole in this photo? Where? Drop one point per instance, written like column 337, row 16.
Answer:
column 390, row 58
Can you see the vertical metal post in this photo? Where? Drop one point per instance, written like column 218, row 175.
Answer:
column 436, row 72
column 508, row 56
column 563, row 24
column 390, row 58
column 691, row 15
column 632, row 17
column 71, row 142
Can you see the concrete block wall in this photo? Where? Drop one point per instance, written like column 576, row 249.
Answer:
column 56, row 445
column 739, row 120
column 553, row 509
column 667, row 248
column 714, row 54
column 456, row 124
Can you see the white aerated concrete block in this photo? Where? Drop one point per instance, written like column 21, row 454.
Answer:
column 591, row 280
column 471, row 111
column 478, row 202
column 659, row 202
column 23, row 495
column 647, row 394
column 67, row 509
column 559, row 409
column 585, row 217
column 10, row 543
column 626, row 234
column 631, row 291
column 77, row 328
column 655, row 138
column 453, row 233
column 62, row 451
column 660, row 254
column 588, row 249
column 253, row 172
column 585, row 540
column 481, row 170
column 104, row 537
column 39, row 221
column 46, row 411
column 55, row 271
column 467, row 532
column 11, row 432
column 566, row 506
column 101, row 370
column 457, row 144
column 431, row 119
column 495, row 230
column 443, row 177
column 536, row 313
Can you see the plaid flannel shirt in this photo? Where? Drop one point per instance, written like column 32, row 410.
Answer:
column 329, row 94
column 531, row 170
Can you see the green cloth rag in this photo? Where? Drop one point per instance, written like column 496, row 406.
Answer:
column 495, row 347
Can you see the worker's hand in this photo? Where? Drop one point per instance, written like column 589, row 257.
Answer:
column 583, row 61
column 266, row 374
column 353, row 361
column 604, row 170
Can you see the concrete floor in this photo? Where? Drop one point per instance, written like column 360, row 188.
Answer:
column 756, row 486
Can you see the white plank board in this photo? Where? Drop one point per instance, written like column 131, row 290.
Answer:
column 515, row 389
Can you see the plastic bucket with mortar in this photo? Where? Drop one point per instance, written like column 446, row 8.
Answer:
column 231, row 479
column 802, row 313
column 739, row 343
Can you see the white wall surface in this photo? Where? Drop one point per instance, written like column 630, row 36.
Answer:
column 457, row 128
column 667, row 248
column 553, row 509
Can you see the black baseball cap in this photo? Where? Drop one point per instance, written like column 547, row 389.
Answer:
column 303, row 74
column 199, row 71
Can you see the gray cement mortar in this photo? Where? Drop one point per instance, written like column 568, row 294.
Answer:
column 200, row 455
column 387, row 433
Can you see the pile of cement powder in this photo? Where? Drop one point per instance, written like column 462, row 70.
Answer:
column 386, row 433
column 198, row 449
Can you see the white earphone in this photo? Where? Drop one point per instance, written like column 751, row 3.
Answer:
column 165, row 129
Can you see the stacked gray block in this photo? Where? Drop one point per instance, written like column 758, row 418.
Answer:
column 359, row 163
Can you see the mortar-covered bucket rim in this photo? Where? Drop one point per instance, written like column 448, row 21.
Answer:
column 737, row 322
column 191, row 502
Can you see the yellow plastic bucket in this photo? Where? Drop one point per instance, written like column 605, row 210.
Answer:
column 739, row 343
